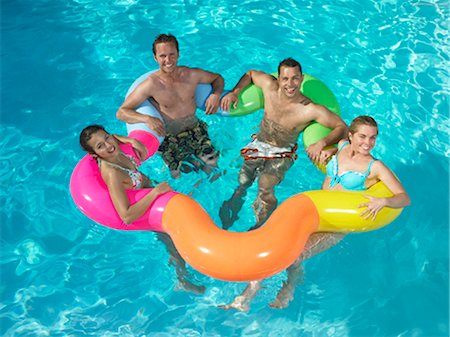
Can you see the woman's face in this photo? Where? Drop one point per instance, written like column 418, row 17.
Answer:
column 363, row 140
column 103, row 144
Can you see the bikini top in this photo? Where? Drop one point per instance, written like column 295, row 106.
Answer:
column 137, row 178
column 350, row 180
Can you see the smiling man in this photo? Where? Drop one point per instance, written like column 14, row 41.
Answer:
column 172, row 90
column 287, row 112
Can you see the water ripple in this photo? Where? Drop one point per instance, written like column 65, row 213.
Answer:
column 70, row 64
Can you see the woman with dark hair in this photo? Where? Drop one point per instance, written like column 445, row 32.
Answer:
column 120, row 173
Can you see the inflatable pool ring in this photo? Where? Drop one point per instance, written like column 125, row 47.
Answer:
column 221, row 254
column 91, row 195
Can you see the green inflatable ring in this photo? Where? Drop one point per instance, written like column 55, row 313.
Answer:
column 251, row 99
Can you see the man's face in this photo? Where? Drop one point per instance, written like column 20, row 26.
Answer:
column 167, row 56
column 290, row 80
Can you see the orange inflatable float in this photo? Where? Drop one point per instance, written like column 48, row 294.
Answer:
column 233, row 256
column 266, row 251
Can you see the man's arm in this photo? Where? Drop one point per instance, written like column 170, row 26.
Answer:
column 128, row 114
column 259, row 78
column 332, row 121
column 217, row 82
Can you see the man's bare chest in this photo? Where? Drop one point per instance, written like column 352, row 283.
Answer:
column 175, row 93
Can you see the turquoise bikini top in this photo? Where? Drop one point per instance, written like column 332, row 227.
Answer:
column 350, row 180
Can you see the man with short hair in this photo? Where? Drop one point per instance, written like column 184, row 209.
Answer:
column 172, row 89
column 287, row 112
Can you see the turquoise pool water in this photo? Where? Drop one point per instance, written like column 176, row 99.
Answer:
column 66, row 64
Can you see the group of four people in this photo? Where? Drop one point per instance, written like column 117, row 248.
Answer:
column 287, row 112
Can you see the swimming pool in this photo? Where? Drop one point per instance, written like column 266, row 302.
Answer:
column 68, row 64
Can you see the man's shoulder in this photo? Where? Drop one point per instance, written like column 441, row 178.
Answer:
column 147, row 85
column 184, row 70
column 304, row 112
column 151, row 79
column 304, row 104
column 269, row 83
column 307, row 106
column 189, row 73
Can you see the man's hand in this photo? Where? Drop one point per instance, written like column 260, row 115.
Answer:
column 156, row 125
column 314, row 151
column 326, row 154
column 212, row 104
column 227, row 100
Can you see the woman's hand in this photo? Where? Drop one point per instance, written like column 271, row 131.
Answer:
column 373, row 207
column 138, row 147
column 162, row 188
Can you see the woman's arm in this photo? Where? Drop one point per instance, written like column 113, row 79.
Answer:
column 400, row 198
column 129, row 213
column 138, row 147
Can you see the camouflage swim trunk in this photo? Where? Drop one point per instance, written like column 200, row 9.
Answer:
column 184, row 145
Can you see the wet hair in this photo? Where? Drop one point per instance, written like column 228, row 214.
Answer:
column 362, row 120
column 165, row 38
column 86, row 135
column 291, row 63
